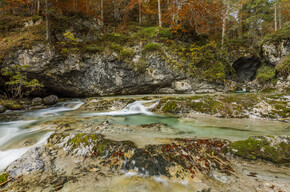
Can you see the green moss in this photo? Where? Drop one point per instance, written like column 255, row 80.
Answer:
column 283, row 68
column 268, row 90
column 11, row 104
column 261, row 147
column 151, row 47
column 82, row 139
column 4, row 177
column 169, row 107
column 265, row 74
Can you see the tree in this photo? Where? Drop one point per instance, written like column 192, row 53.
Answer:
column 159, row 14
column 18, row 84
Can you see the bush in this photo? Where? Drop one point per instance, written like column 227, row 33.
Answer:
column 141, row 66
column 150, row 47
column 265, row 74
column 115, row 37
column 126, row 53
column 148, row 32
column 94, row 48
column 165, row 33
column 18, row 84
column 116, row 47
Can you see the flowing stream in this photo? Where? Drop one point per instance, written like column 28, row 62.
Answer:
column 21, row 131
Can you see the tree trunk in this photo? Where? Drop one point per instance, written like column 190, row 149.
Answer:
column 48, row 39
column 159, row 14
column 224, row 21
column 38, row 6
column 102, row 13
column 275, row 16
column 279, row 15
column 140, row 12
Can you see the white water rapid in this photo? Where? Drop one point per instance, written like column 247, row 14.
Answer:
column 134, row 108
column 13, row 134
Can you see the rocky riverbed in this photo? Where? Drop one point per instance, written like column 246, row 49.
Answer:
column 119, row 144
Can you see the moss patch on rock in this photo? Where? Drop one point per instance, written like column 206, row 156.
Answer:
column 275, row 149
column 4, row 177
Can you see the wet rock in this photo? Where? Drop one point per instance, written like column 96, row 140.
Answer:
column 2, row 109
column 36, row 101
column 147, row 164
column 29, row 162
column 50, row 100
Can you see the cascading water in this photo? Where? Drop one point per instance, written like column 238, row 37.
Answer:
column 134, row 108
column 14, row 134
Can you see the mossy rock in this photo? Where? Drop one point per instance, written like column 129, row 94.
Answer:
column 272, row 148
column 11, row 104
column 4, row 177
column 170, row 107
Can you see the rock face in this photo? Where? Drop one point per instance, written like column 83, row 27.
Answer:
column 275, row 52
column 95, row 74
column 50, row 100
column 246, row 68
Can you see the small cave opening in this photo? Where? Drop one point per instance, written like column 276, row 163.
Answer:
column 246, row 68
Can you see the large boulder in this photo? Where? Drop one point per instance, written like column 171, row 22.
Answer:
column 274, row 52
column 50, row 100
column 36, row 101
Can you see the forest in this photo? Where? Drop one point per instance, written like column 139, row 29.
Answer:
column 225, row 21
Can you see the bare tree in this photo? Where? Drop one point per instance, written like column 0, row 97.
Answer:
column 159, row 14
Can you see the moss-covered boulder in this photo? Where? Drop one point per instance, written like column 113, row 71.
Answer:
column 272, row 148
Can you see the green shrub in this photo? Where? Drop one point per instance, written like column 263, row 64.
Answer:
column 94, row 48
column 265, row 74
column 216, row 72
column 148, row 32
column 18, row 84
column 115, row 37
column 165, row 33
column 283, row 68
column 150, row 47
column 126, row 53
column 116, row 47
column 141, row 66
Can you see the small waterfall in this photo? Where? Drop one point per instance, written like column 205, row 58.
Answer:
column 14, row 132
column 132, row 109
